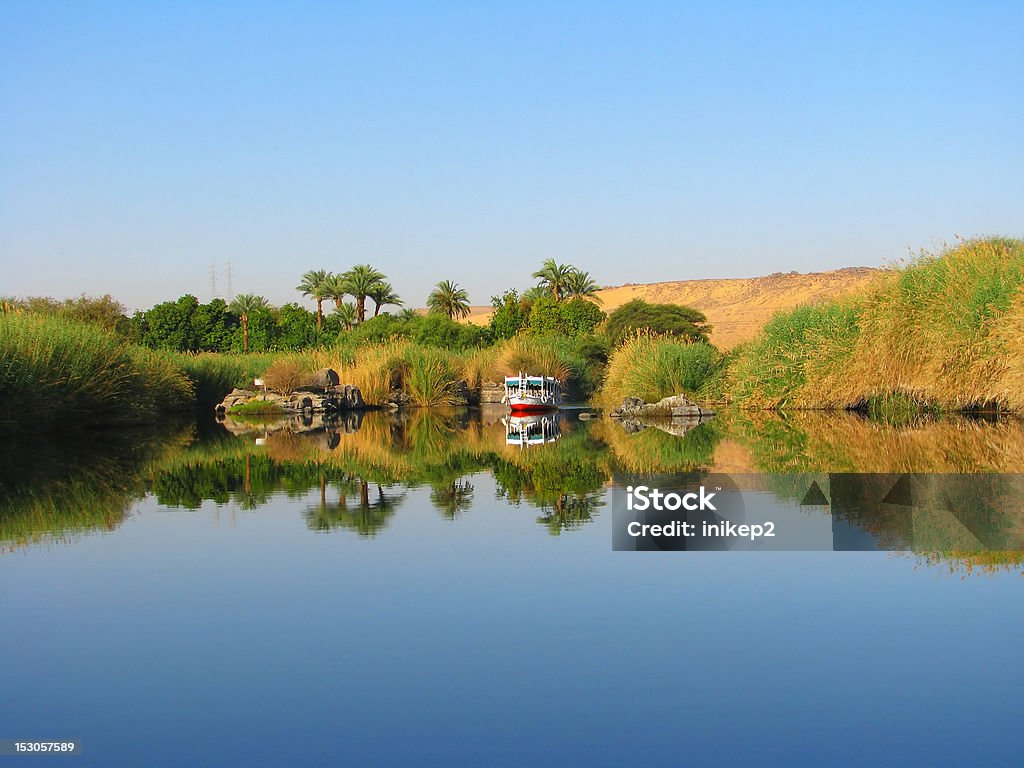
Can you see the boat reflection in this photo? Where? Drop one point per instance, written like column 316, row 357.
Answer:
column 532, row 429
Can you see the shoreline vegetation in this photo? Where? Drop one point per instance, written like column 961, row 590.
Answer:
column 943, row 333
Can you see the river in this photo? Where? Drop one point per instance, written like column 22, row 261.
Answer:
column 440, row 588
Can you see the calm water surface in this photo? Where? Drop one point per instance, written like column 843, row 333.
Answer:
column 423, row 591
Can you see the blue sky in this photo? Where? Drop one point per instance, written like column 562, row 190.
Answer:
column 142, row 142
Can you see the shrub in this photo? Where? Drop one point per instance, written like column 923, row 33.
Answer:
column 676, row 320
column 286, row 374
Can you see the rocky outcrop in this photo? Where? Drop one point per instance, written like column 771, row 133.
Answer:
column 322, row 394
column 675, row 415
column 673, row 407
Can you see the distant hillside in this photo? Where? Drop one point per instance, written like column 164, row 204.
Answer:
column 737, row 308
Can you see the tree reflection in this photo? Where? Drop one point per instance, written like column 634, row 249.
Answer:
column 452, row 498
column 358, row 507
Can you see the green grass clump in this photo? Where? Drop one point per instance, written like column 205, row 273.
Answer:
column 53, row 370
column 431, row 376
column 257, row 408
column 651, row 367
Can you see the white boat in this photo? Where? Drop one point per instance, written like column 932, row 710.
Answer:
column 532, row 393
column 532, row 429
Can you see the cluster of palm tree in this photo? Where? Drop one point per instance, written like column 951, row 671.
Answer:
column 360, row 282
column 564, row 281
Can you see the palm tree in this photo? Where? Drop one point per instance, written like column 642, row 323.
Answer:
column 359, row 282
column 346, row 314
column 581, row 284
column 315, row 283
column 383, row 293
column 449, row 299
column 554, row 277
column 334, row 287
column 243, row 305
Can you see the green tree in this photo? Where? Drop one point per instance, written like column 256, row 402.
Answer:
column 581, row 285
column 298, row 328
column 359, row 282
column 317, row 284
column 576, row 317
column 554, row 277
column 168, row 325
column 347, row 314
column 244, row 305
column 449, row 299
column 334, row 286
column 384, row 294
column 212, row 326
column 509, row 316
column 668, row 319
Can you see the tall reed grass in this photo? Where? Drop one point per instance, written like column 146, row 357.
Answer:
column 944, row 332
column 53, row 370
column 213, row 375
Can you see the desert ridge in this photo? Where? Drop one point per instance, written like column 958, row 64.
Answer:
column 736, row 308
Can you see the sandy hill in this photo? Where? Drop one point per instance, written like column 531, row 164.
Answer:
column 737, row 308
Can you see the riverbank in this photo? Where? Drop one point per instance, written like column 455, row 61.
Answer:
column 943, row 333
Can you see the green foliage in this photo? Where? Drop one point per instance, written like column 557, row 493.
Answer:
column 427, row 330
column 554, row 277
column 316, row 285
column 346, row 314
column 168, row 325
column 581, row 285
column 449, row 299
column 383, row 294
column 576, row 317
column 663, row 319
column 361, row 281
column 103, row 312
column 510, row 315
column 296, row 328
column 212, row 326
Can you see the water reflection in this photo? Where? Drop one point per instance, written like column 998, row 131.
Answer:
column 532, row 429
column 354, row 473
column 355, row 506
